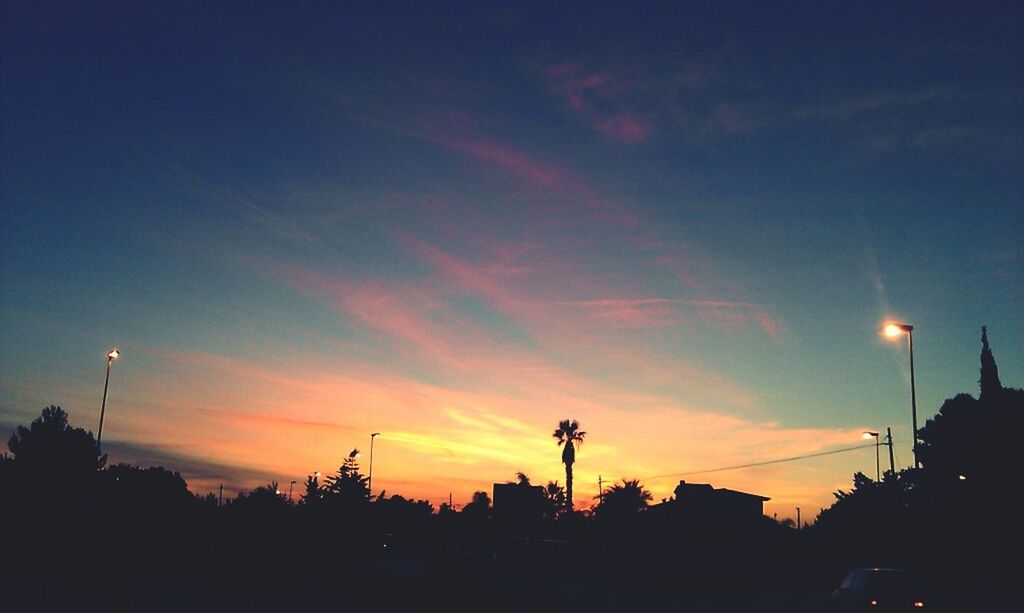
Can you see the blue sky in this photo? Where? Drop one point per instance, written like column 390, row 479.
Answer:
column 457, row 224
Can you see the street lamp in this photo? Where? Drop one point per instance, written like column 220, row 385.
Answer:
column 894, row 330
column 290, row 486
column 112, row 355
column 369, row 480
column 878, row 470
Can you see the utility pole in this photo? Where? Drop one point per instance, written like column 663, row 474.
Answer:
column 220, row 499
column 450, row 507
column 798, row 525
column 888, row 438
column 600, row 491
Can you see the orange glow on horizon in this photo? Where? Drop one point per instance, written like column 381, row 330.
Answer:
column 303, row 418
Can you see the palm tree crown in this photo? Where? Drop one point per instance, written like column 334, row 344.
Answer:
column 568, row 433
column 624, row 500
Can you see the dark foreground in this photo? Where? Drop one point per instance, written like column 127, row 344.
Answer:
column 512, row 576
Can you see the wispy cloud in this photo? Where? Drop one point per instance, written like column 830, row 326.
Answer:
column 574, row 197
column 600, row 100
column 203, row 475
column 877, row 101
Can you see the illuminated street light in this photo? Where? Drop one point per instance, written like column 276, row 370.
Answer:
column 112, row 355
column 893, row 330
column 878, row 470
column 369, row 480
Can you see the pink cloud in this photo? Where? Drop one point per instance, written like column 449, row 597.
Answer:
column 574, row 198
column 508, row 159
column 413, row 315
column 723, row 315
column 601, row 100
column 730, row 317
column 625, row 127
column 730, row 119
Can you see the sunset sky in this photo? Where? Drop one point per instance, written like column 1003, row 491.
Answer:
column 457, row 224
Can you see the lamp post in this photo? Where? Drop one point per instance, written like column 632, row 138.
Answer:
column 878, row 471
column 290, row 486
column 893, row 330
column 369, row 480
column 112, row 355
column 888, row 441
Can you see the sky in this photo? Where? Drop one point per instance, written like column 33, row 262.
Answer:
column 681, row 224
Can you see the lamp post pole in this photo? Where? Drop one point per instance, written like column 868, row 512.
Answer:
column 112, row 355
column 895, row 330
column 878, row 469
column 888, row 439
column 913, row 392
column 369, row 479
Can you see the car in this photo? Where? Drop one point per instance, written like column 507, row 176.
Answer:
column 879, row 590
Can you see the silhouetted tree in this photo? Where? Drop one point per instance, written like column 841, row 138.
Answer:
column 398, row 513
column 568, row 434
column 479, row 507
column 146, row 490
column 989, row 383
column 314, row 492
column 871, row 518
column 349, row 485
column 971, row 437
column 521, row 479
column 554, row 494
column 263, row 499
column 623, row 500
column 50, row 447
column 208, row 501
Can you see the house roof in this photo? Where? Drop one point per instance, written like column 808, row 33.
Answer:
column 707, row 488
column 739, row 493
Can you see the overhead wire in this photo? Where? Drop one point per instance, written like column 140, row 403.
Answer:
column 764, row 463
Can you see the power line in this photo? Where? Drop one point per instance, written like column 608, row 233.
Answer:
column 765, row 463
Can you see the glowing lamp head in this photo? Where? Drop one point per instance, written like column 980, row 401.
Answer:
column 869, row 435
column 113, row 354
column 894, row 329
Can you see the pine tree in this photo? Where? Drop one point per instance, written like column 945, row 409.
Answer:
column 991, row 387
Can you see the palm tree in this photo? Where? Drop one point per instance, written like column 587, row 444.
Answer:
column 569, row 433
column 624, row 500
column 521, row 479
